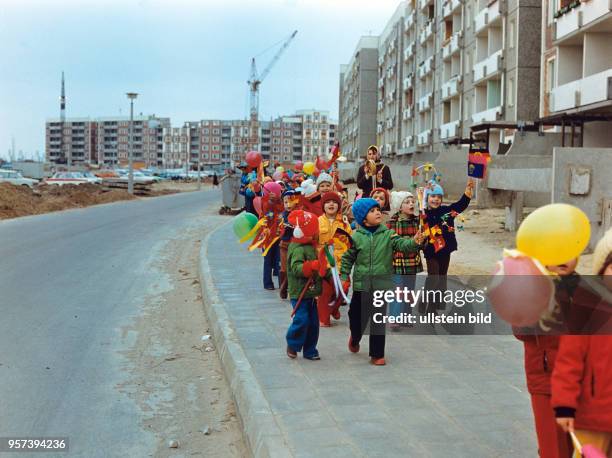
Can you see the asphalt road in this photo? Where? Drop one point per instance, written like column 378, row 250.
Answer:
column 69, row 282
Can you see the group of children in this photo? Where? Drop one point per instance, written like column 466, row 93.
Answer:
column 323, row 232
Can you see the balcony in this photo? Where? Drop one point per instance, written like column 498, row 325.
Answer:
column 426, row 32
column 407, row 114
column 407, row 83
column 408, row 22
column 488, row 67
column 408, row 141
column 450, row 129
column 424, row 137
column 487, row 17
column 451, row 87
column 452, row 47
column 426, row 67
column 490, row 115
column 449, row 7
column 390, row 72
column 580, row 93
column 424, row 4
column 380, row 105
column 409, row 51
column 381, row 82
column 425, row 102
column 581, row 17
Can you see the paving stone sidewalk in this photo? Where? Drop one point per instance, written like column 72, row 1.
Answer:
column 438, row 396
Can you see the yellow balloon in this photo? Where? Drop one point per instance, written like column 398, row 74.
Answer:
column 308, row 168
column 554, row 234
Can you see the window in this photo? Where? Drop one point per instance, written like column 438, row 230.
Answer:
column 510, row 93
column 511, row 33
column 551, row 76
column 205, row 131
column 215, row 148
column 215, row 131
column 204, row 147
column 215, row 140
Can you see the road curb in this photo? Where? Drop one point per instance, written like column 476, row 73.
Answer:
column 263, row 435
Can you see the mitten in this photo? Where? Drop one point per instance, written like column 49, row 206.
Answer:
column 309, row 268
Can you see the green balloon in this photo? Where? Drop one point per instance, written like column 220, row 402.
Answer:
column 243, row 223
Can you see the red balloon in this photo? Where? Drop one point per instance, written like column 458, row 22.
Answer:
column 299, row 165
column 316, row 172
column 257, row 205
column 253, row 159
column 520, row 290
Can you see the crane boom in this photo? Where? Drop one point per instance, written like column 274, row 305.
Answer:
column 254, row 83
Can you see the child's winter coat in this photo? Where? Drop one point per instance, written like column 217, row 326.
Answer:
column 372, row 254
column 443, row 218
column 405, row 226
column 296, row 255
column 582, row 381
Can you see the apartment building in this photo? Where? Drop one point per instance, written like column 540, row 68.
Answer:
column 447, row 65
column 104, row 141
column 75, row 141
column 318, row 133
column 577, row 70
column 358, row 92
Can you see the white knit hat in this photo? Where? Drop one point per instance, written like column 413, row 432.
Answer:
column 324, row 177
column 602, row 250
column 397, row 198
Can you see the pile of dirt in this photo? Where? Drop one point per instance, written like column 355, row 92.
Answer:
column 18, row 201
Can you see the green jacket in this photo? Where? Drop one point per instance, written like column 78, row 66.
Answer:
column 297, row 253
column 372, row 255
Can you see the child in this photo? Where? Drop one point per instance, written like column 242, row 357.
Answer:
column 289, row 202
column 405, row 224
column 371, row 254
column 334, row 229
column 582, row 378
column 381, row 195
column 324, row 183
column 304, row 272
column 440, row 231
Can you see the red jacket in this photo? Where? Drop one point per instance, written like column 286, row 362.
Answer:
column 582, row 380
column 540, row 356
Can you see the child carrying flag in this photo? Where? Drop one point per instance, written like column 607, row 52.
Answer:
column 304, row 273
column 334, row 230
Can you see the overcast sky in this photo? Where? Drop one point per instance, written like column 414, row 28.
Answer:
column 189, row 60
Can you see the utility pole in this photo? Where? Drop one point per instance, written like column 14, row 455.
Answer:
column 131, row 96
column 67, row 155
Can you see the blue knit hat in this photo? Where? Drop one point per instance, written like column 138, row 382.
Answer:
column 436, row 190
column 361, row 207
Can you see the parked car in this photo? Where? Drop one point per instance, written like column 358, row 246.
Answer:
column 91, row 177
column 139, row 177
column 62, row 178
column 14, row 177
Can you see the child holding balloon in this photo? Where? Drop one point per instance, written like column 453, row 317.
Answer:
column 582, row 378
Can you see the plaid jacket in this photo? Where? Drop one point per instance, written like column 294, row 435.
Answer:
column 405, row 227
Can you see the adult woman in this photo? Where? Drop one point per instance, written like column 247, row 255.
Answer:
column 373, row 173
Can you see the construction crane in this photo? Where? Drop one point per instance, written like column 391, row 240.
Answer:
column 254, row 83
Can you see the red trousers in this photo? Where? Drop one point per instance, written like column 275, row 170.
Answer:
column 328, row 295
column 552, row 441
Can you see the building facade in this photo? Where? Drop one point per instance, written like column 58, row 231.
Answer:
column 445, row 66
column 577, row 70
column 358, row 92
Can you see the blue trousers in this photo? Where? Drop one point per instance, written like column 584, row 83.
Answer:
column 303, row 332
column 271, row 265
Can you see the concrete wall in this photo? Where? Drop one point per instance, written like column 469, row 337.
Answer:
column 596, row 201
column 597, row 135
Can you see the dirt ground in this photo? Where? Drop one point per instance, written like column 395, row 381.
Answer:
column 16, row 201
column 176, row 376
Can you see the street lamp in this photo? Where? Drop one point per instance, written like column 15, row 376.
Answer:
column 131, row 96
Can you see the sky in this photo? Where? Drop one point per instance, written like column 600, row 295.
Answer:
column 188, row 59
